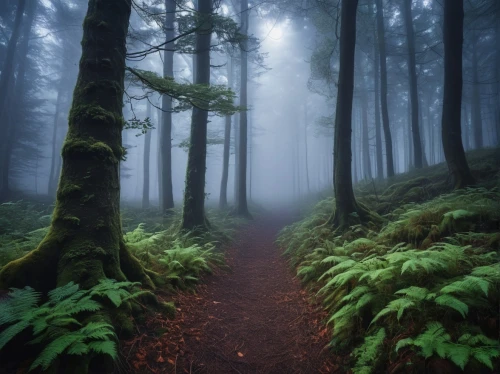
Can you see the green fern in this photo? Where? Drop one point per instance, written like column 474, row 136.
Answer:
column 55, row 323
column 368, row 354
column 435, row 340
column 94, row 337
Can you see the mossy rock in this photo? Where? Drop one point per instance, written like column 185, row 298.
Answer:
column 459, row 220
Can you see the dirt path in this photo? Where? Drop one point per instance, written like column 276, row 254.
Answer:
column 256, row 319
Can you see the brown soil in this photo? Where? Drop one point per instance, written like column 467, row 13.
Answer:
column 254, row 319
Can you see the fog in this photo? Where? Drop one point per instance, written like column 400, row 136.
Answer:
column 292, row 87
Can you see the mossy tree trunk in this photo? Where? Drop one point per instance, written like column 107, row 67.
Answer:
column 5, row 78
column 193, row 213
column 85, row 242
column 241, row 202
column 347, row 210
column 452, row 100
column 383, row 89
column 227, row 144
column 412, row 73
column 166, row 192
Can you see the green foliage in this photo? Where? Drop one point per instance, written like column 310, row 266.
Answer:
column 138, row 124
column 368, row 355
column 213, row 98
column 183, row 265
column 23, row 225
column 56, row 325
column 436, row 341
column 405, row 277
column 182, row 257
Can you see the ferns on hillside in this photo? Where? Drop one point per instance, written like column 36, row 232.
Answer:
column 386, row 284
column 55, row 325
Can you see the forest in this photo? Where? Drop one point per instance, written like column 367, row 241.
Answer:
column 250, row 186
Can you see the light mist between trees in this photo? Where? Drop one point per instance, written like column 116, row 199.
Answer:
column 177, row 106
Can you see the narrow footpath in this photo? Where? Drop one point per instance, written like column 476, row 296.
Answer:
column 254, row 319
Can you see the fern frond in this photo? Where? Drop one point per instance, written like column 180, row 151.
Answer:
column 368, row 353
column 453, row 303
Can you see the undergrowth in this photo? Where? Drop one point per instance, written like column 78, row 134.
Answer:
column 424, row 287
column 56, row 326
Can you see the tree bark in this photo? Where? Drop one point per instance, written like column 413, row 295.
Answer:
column 412, row 73
column 85, row 242
column 306, row 148
column 477, row 122
column 241, row 202
column 145, row 163
column 167, row 196
column 383, row 89
column 227, row 144
column 365, row 144
column 54, row 170
column 452, row 100
column 378, row 135
column 193, row 213
column 236, row 157
column 347, row 209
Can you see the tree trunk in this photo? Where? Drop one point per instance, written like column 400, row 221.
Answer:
column 167, row 196
column 346, row 207
column 193, row 213
column 477, row 122
column 54, row 170
column 378, row 135
column 236, row 157
column 85, row 241
column 227, row 144
column 6, row 76
column 145, row 164
column 367, row 170
column 412, row 73
column 383, row 89
column 306, row 148
column 241, row 203
column 452, row 100
column 16, row 116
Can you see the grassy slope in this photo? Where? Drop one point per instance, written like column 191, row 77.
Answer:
column 421, row 292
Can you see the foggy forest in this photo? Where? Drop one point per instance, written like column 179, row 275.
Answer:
column 250, row 186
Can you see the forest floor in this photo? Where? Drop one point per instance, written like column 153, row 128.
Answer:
column 255, row 318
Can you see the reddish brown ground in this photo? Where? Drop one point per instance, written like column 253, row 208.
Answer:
column 254, row 319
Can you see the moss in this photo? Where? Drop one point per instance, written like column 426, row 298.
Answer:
column 92, row 113
column 459, row 220
column 83, row 149
column 38, row 269
column 72, row 221
column 360, row 245
column 133, row 269
column 168, row 309
column 68, row 190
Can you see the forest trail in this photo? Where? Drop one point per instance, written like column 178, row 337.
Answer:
column 254, row 319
